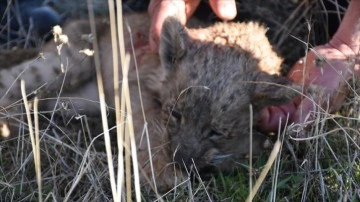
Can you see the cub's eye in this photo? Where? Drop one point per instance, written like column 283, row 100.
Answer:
column 215, row 135
column 175, row 114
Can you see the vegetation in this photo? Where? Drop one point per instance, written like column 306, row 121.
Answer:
column 69, row 162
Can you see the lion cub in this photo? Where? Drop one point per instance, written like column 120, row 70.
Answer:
column 197, row 92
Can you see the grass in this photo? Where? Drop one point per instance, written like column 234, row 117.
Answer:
column 74, row 162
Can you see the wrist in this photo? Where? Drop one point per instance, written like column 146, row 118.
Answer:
column 347, row 37
column 348, row 52
column 348, row 48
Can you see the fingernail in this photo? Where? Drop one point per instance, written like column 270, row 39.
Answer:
column 227, row 9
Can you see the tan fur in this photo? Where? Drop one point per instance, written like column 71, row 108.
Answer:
column 248, row 36
column 163, row 86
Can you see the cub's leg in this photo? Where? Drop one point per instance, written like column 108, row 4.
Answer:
column 61, row 64
column 58, row 67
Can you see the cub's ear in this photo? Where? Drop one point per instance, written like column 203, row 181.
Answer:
column 273, row 90
column 173, row 41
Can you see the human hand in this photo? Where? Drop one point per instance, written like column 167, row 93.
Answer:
column 325, row 71
column 183, row 9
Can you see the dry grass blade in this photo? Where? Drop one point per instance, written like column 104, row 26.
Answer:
column 265, row 171
column 102, row 103
column 35, row 141
column 125, row 106
column 281, row 135
column 145, row 131
column 37, row 144
column 130, row 128
column 119, row 106
column 83, row 168
column 250, row 149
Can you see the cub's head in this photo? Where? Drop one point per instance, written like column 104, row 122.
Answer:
column 207, row 95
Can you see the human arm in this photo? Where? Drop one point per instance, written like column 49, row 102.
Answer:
column 327, row 67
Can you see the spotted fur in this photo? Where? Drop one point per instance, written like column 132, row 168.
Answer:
column 197, row 92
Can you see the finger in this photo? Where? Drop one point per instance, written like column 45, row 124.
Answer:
column 272, row 117
column 300, row 71
column 159, row 10
column 224, row 9
column 190, row 7
column 323, row 102
column 303, row 114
